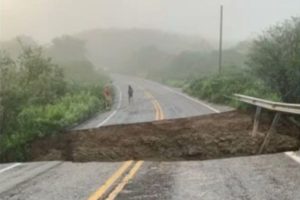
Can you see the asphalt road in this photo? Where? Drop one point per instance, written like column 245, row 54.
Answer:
column 173, row 103
column 258, row 177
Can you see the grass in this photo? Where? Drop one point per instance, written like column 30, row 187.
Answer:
column 38, row 121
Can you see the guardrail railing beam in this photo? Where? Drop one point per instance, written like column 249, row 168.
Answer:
column 278, row 107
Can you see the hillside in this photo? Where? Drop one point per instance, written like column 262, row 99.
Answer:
column 114, row 48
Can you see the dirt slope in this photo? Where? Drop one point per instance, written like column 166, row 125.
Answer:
column 204, row 137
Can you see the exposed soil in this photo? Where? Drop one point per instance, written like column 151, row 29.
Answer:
column 204, row 137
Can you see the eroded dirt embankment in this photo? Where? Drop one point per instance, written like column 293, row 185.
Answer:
column 204, row 137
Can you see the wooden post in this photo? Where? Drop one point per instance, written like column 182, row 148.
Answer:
column 256, row 121
column 271, row 130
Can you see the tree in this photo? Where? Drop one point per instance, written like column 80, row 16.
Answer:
column 42, row 81
column 32, row 79
column 275, row 58
column 8, row 90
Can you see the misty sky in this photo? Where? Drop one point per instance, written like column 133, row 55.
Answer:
column 45, row 19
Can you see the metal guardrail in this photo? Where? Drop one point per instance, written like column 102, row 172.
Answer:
column 270, row 105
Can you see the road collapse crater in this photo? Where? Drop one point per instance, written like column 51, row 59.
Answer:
column 195, row 138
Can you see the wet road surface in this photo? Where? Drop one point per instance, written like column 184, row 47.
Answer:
column 54, row 180
column 252, row 178
column 174, row 103
column 258, row 177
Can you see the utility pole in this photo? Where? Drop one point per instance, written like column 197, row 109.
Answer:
column 220, row 40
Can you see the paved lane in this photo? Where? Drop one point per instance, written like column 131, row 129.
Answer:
column 16, row 174
column 174, row 103
column 54, row 180
column 140, row 110
column 264, row 177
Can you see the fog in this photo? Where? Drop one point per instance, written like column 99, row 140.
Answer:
column 63, row 62
column 44, row 19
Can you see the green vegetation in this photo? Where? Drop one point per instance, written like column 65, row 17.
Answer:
column 36, row 98
column 273, row 70
column 37, row 121
column 275, row 59
column 158, row 65
column 219, row 88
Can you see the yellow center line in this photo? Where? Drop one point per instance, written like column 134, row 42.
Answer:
column 159, row 109
column 125, row 180
column 159, row 115
column 103, row 189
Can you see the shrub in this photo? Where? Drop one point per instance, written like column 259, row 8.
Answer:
column 37, row 121
column 220, row 88
column 37, row 100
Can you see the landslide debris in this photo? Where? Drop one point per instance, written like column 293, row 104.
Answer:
column 203, row 137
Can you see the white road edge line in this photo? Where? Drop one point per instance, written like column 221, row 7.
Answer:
column 293, row 156
column 9, row 167
column 192, row 99
column 115, row 111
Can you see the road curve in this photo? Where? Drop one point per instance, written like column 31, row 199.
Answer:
column 236, row 178
column 174, row 103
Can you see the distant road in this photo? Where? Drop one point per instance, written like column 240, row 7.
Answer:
column 174, row 103
column 258, row 177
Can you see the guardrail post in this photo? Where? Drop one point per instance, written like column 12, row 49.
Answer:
column 256, row 121
column 271, row 130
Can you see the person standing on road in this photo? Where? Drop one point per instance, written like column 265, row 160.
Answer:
column 108, row 96
column 130, row 93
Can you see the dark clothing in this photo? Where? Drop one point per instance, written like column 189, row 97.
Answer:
column 130, row 91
